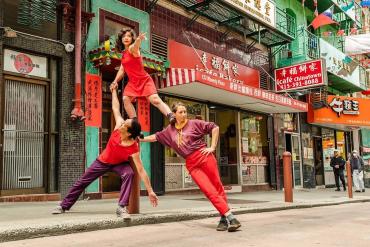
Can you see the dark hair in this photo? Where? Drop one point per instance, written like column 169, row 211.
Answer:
column 135, row 129
column 176, row 105
column 119, row 45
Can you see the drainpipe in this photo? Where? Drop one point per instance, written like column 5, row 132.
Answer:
column 77, row 112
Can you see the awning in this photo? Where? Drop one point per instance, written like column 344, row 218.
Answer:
column 201, row 86
column 107, row 58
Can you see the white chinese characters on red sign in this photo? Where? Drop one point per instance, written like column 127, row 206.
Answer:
column 300, row 76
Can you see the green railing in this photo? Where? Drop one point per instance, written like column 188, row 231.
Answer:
column 286, row 23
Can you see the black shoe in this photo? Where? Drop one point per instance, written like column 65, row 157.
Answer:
column 234, row 225
column 222, row 225
column 358, row 191
column 337, row 189
column 363, row 190
column 344, row 189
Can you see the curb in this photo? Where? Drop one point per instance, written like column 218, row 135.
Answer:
column 136, row 220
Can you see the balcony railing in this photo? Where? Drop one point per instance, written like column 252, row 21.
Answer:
column 286, row 23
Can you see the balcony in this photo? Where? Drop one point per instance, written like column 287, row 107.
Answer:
column 344, row 73
column 242, row 17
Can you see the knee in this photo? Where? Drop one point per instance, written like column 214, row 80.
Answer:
column 129, row 173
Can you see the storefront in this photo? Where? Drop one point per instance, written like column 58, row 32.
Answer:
column 228, row 94
column 337, row 121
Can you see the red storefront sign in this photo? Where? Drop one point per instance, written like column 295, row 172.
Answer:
column 93, row 100
column 143, row 113
column 218, row 69
column 304, row 75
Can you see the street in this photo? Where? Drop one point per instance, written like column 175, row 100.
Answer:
column 343, row 225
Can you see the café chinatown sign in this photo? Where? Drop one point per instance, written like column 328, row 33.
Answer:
column 300, row 76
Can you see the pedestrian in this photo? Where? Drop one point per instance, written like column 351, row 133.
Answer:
column 121, row 146
column 357, row 167
column 186, row 137
column 140, row 84
column 338, row 164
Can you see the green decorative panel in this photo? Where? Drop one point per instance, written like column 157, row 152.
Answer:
column 92, row 152
column 145, row 157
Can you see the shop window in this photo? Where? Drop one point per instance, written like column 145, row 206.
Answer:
column 328, row 146
column 254, row 148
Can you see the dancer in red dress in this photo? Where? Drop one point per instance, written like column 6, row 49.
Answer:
column 186, row 137
column 140, row 84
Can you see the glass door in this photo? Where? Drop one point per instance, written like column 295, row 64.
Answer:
column 296, row 161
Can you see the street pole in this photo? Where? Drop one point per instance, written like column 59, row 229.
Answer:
column 287, row 166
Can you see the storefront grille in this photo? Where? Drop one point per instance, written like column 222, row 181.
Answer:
column 24, row 131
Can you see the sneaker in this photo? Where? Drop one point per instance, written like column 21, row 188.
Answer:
column 58, row 210
column 358, row 191
column 363, row 190
column 122, row 213
column 337, row 189
column 222, row 225
column 234, row 225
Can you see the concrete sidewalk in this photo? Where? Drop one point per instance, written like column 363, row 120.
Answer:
column 30, row 220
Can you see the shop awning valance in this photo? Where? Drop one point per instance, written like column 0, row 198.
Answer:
column 201, row 86
column 107, row 57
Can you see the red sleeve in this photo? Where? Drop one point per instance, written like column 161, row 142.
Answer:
column 204, row 127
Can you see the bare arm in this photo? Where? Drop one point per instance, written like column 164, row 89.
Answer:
column 119, row 75
column 135, row 47
column 144, row 177
column 150, row 138
column 116, row 107
column 212, row 148
column 215, row 135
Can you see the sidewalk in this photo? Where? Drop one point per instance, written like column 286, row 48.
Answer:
column 30, row 220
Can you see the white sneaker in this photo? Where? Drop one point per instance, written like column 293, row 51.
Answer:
column 122, row 213
column 58, row 210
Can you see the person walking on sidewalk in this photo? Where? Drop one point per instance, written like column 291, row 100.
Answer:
column 121, row 146
column 338, row 164
column 357, row 167
column 186, row 137
column 140, row 84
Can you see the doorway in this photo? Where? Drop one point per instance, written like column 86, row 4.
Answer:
column 319, row 161
column 226, row 151
column 292, row 145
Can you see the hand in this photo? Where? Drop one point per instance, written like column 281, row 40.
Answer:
column 142, row 36
column 207, row 151
column 153, row 199
column 113, row 86
column 337, row 166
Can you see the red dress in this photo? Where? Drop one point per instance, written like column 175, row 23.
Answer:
column 140, row 84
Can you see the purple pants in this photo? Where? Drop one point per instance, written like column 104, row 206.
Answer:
column 96, row 170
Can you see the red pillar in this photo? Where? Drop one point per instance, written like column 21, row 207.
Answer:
column 288, row 188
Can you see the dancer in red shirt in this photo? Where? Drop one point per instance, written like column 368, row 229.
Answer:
column 140, row 84
column 121, row 146
column 186, row 137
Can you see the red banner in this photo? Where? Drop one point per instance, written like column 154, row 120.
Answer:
column 93, row 100
column 304, row 75
column 143, row 114
column 217, row 68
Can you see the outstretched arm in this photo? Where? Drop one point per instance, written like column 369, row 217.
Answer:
column 144, row 177
column 150, row 138
column 115, row 106
column 135, row 47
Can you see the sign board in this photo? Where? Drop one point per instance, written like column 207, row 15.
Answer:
column 26, row 64
column 93, row 100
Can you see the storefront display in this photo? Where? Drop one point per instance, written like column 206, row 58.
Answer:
column 254, row 148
